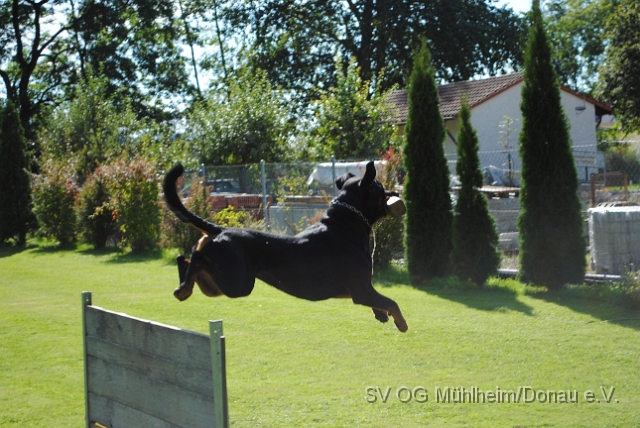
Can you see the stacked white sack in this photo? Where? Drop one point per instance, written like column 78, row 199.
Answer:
column 614, row 239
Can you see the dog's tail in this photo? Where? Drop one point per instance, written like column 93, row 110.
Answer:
column 175, row 204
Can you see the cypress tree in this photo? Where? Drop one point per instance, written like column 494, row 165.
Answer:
column 475, row 255
column 426, row 188
column 552, row 246
column 15, row 191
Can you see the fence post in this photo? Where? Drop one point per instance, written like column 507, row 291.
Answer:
column 86, row 301
column 333, row 175
column 218, row 367
column 264, row 196
column 203, row 172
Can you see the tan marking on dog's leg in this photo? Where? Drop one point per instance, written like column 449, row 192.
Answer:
column 184, row 291
column 203, row 241
column 208, row 285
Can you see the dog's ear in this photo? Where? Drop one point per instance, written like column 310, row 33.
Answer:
column 369, row 175
column 342, row 179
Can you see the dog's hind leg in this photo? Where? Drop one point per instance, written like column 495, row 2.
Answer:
column 379, row 303
column 194, row 272
column 188, row 272
column 183, row 265
column 186, row 287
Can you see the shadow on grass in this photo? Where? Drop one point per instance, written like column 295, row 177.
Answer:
column 595, row 300
column 604, row 302
column 52, row 247
column 120, row 257
column 8, row 250
column 495, row 299
column 109, row 254
column 99, row 252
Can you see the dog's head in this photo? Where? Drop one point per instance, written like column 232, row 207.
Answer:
column 367, row 195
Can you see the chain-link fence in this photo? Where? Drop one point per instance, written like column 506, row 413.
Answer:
column 502, row 167
column 289, row 197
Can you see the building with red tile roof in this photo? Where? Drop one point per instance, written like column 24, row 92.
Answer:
column 495, row 99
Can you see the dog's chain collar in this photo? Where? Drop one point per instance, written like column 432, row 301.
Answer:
column 355, row 210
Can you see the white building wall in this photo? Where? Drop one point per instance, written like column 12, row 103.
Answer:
column 486, row 119
column 583, row 122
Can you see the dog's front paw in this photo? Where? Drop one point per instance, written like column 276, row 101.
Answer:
column 182, row 293
column 401, row 324
column 380, row 315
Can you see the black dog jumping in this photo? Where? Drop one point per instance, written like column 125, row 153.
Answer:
column 331, row 258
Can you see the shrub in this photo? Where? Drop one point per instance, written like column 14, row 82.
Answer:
column 229, row 217
column 389, row 231
column 628, row 290
column 96, row 223
column 54, row 196
column 624, row 158
column 134, row 193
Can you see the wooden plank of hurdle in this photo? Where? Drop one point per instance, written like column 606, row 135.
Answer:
column 142, row 373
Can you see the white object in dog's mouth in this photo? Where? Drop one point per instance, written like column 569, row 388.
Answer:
column 396, row 206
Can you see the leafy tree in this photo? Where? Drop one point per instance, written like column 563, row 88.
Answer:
column 249, row 125
column 47, row 46
column 552, row 248
column 135, row 45
column 576, row 31
column 426, row 187
column 33, row 59
column 15, row 193
column 475, row 255
column 349, row 124
column 297, row 41
column 92, row 130
column 619, row 78
column 294, row 42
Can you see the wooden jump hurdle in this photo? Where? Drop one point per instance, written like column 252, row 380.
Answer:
column 139, row 373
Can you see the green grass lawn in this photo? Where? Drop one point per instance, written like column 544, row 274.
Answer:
column 297, row 363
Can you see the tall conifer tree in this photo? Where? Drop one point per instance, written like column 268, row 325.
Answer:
column 426, row 189
column 552, row 246
column 15, row 191
column 475, row 255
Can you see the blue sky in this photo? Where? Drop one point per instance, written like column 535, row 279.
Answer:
column 516, row 5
